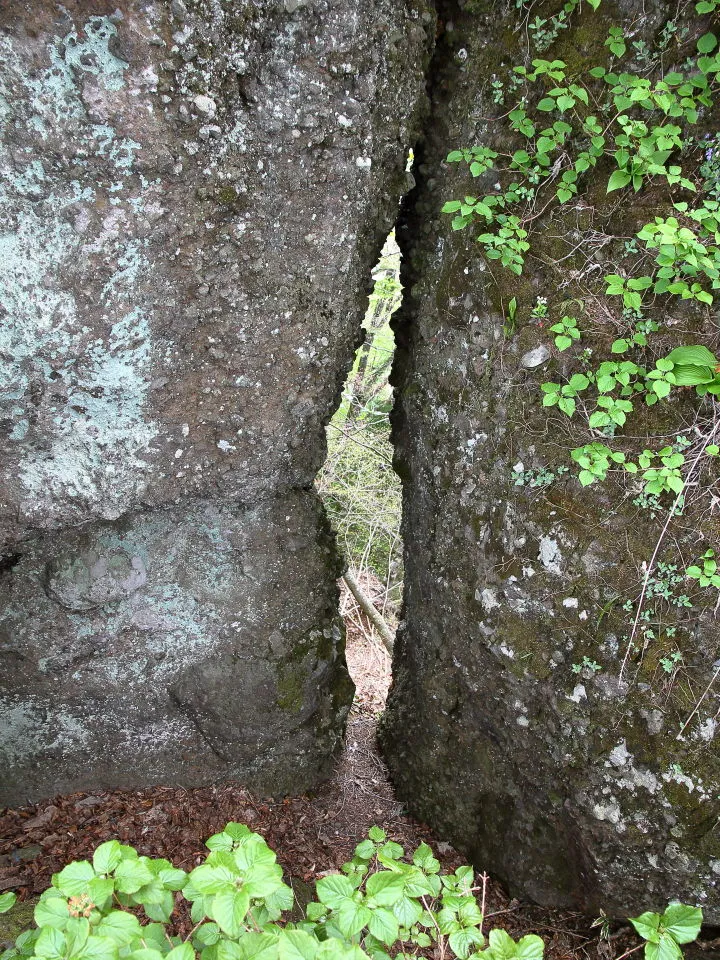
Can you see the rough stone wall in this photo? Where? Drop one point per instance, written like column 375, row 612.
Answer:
column 571, row 786
column 193, row 194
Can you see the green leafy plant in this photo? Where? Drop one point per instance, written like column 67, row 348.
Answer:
column 564, row 394
column 120, row 906
column 706, row 575
column 566, row 330
column 587, row 664
column 7, row 900
column 664, row 933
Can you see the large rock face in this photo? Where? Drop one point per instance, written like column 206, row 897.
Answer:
column 512, row 726
column 193, row 195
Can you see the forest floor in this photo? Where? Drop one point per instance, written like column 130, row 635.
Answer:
column 311, row 834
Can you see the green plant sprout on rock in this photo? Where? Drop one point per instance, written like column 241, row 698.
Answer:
column 626, row 359
column 121, row 905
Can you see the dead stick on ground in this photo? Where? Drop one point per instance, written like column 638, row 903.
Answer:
column 369, row 609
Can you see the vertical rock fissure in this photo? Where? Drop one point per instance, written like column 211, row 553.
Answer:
column 357, row 482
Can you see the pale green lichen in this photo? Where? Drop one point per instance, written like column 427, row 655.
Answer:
column 94, row 391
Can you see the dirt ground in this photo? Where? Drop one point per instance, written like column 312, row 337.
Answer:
column 311, row 834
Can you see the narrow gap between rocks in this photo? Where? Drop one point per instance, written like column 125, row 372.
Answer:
column 357, row 483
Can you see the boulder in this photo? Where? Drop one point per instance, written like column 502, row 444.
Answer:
column 193, row 196
column 565, row 752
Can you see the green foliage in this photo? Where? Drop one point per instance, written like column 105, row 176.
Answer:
column 541, row 477
column 357, row 483
column 567, row 332
column 665, row 932
column 573, row 135
column 7, row 900
column 121, row 906
column 706, row 575
column 586, row 664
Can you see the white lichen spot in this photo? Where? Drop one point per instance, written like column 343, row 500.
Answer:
column 607, row 811
column 550, row 555
column 619, row 755
column 488, row 598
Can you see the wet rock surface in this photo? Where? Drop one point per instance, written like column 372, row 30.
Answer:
column 511, row 725
column 193, row 196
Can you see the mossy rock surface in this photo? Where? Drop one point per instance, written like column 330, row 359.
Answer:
column 15, row 921
column 511, row 726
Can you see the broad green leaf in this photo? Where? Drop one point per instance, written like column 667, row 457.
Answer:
column 146, row 953
column 51, row 944
column 502, row 945
column 647, row 926
column 407, row 911
column 237, row 831
column 351, row 917
column 209, row 880
column 51, row 912
column 383, row 925
column 334, row 950
column 334, row 890
column 690, row 376
column 314, row 911
column 567, row 405
column 183, row 952
column 385, row 887
column 297, row 945
column 695, row 355
column 707, row 43
column 77, row 931
column 618, row 180
column 207, row 934
column 667, row 948
column 131, row 875
column 107, row 857
column 6, row 902
column 228, row 910
column 253, row 850
column 464, row 941
column 74, row 879
column 282, row 898
column 121, row 927
column 391, row 851
column 530, row 947
column 620, row 346
column 172, row 879
column 418, row 884
column 98, row 948
column 160, row 907
column 365, row 850
column 220, row 841
column 682, row 922
column 662, row 388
